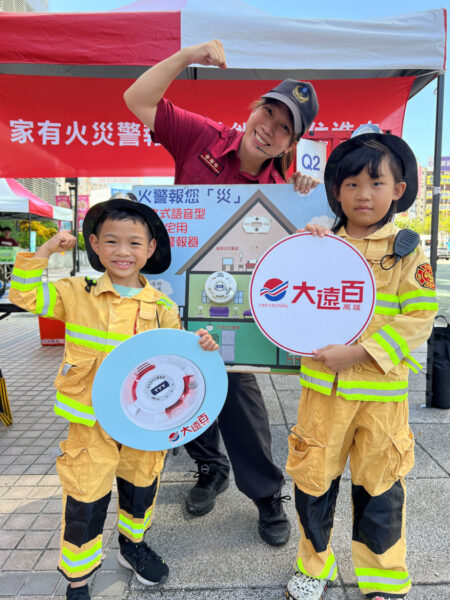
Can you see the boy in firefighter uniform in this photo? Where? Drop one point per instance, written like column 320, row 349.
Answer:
column 123, row 238
column 354, row 398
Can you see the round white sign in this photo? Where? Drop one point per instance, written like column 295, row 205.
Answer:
column 159, row 389
column 307, row 292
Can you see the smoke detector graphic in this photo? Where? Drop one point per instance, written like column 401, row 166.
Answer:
column 220, row 287
column 162, row 393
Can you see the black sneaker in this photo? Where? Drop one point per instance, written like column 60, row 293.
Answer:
column 79, row 593
column 149, row 568
column 202, row 497
column 273, row 525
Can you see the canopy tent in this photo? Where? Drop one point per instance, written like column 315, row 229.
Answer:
column 258, row 45
column 16, row 202
column 88, row 59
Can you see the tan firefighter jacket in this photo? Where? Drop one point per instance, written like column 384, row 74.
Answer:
column 96, row 322
column 403, row 319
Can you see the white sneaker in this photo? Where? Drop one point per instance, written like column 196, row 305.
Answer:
column 303, row 587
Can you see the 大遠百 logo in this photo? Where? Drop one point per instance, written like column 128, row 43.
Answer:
column 274, row 289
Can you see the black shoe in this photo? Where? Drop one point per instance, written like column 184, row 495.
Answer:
column 79, row 593
column 149, row 568
column 273, row 525
column 202, row 497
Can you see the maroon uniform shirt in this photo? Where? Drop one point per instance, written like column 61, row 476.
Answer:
column 205, row 152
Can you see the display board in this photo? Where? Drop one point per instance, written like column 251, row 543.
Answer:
column 218, row 234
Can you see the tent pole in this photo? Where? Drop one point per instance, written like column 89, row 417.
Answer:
column 73, row 190
column 435, row 220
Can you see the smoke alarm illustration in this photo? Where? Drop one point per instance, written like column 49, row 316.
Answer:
column 162, row 393
column 220, row 287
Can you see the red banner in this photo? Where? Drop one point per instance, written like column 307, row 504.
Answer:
column 69, row 127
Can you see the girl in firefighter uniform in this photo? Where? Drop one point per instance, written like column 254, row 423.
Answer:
column 354, row 398
column 123, row 237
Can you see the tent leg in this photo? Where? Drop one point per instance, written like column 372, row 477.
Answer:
column 73, row 190
column 435, row 220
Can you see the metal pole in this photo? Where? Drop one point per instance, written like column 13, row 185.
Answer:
column 76, row 249
column 435, row 220
column 73, row 189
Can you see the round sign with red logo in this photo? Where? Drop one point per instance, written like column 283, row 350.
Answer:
column 307, row 292
column 159, row 389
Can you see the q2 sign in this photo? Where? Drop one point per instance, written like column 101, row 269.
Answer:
column 311, row 158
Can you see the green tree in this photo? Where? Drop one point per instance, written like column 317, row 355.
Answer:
column 44, row 231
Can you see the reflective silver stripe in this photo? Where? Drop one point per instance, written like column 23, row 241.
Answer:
column 372, row 392
column 46, row 299
column 389, row 580
column 73, row 411
column 393, row 344
column 134, row 529
column 92, row 338
column 82, row 561
column 415, row 367
column 25, row 280
column 419, row 300
column 387, row 304
column 316, row 380
column 329, row 575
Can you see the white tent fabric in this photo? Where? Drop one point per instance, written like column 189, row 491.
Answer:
column 258, row 45
column 255, row 40
column 26, row 203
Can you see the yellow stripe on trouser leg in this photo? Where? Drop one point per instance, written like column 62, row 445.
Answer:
column 86, row 469
column 315, row 463
column 138, row 476
column 383, row 453
column 386, row 571
column 133, row 528
column 380, row 444
column 78, row 563
column 329, row 571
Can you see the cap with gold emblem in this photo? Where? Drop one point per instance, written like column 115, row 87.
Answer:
column 301, row 99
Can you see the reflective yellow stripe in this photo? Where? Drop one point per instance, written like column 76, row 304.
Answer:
column 382, row 580
column 316, row 380
column 83, row 561
column 165, row 302
column 136, row 530
column 412, row 363
column 328, row 572
column 23, row 280
column 111, row 335
column 74, row 411
column 104, row 341
column 420, row 306
column 46, row 297
column 392, row 342
column 375, row 391
column 418, row 300
column 387, row 304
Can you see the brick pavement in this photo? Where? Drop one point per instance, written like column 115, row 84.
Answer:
column 218, row 556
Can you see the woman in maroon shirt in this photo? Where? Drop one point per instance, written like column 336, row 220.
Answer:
column 261, row 154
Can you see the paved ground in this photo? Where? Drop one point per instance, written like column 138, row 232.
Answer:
column 219, row 556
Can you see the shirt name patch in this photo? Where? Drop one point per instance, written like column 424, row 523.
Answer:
column 212, row 163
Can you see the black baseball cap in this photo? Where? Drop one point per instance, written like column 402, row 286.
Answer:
column 159, row 261
column 301, row 99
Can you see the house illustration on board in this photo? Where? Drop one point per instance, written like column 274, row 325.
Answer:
column 218, row 278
